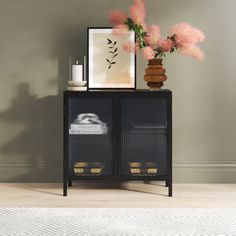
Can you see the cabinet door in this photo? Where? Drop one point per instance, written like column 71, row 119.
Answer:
column 90, row 135
column 143, row 135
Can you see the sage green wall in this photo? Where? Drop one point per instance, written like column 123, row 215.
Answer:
column 36, row 38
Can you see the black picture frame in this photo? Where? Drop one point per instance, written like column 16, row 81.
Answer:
column 90, row 85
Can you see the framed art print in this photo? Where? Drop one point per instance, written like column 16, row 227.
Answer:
column 109, row 66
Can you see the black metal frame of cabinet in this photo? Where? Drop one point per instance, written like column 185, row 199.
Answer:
column 116, row 137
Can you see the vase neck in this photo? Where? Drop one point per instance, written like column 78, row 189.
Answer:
column 155, row 61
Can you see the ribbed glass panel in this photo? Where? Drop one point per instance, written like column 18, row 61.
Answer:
column 90, row 140
column 143, row 136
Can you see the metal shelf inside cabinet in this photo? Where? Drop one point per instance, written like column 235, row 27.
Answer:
column 145, row 128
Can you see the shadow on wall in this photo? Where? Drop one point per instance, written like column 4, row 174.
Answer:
column 31, row 128
column 34, row 154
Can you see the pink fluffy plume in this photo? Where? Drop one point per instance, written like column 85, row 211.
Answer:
column 192, row 51
column 138, row 12
column 120, row 30
column 186, row 34
column 165, row 45
column 148, row 53
column 153, row 35
column 117, row 17
column 129, row 47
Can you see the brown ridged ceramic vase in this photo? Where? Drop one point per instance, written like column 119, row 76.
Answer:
column 155, row 74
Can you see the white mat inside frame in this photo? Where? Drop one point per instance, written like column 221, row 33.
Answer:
column 115, row 221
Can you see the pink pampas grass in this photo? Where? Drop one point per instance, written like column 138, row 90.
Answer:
column 192, row 51
column 140, row 5
column 182, row 37
column 129, row 47
column 117, row 17
column 138, row 12
column 165, row 45
column 186, row 34
column 148, row 53
column 120, row 30
column 186, row 37
column 153, row 35
column 200, row 36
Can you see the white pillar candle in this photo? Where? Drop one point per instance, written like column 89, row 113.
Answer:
column 77, row 72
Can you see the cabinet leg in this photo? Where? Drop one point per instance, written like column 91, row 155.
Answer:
column 65, row 188
column 167, row 184
column 70, row 183
column 170, row 189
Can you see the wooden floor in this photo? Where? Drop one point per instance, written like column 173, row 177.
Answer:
column 131, row 194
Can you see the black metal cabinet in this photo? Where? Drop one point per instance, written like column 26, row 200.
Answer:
column 119, row 135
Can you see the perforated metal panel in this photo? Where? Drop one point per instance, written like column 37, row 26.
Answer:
column 143, row 136
column 90, row 139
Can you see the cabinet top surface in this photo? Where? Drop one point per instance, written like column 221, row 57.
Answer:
column 119, row 91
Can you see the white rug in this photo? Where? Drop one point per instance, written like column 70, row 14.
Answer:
column 110, row 221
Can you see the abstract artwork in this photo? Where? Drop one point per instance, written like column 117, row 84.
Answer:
column 109, row 65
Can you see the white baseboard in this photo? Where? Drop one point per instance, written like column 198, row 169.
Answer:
column 183, row 172
column 205, row 172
